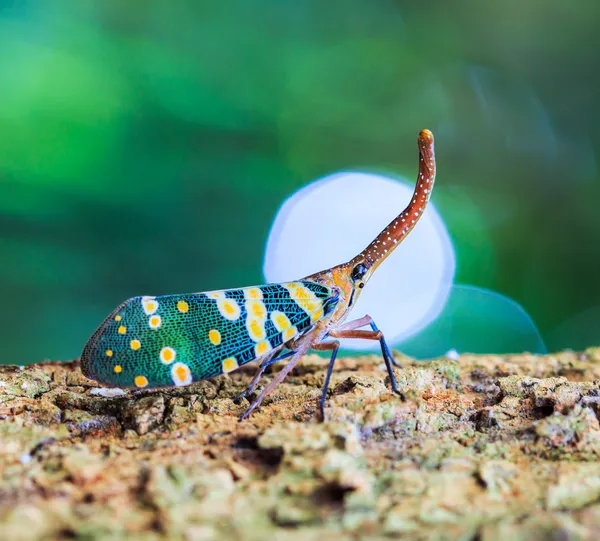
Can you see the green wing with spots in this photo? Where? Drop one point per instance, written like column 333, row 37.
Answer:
column 177, row 339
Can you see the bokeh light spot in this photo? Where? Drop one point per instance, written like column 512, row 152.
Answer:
column 331, row 220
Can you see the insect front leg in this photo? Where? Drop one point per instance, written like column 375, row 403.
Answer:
column 261, row 369
column 372, row 335
column 368, row 320
column 332, row 346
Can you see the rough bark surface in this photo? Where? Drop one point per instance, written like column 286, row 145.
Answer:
column 484, row 448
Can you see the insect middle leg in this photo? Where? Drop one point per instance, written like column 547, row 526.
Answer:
column 372, row 335
column 261, row 369
column 368, row 320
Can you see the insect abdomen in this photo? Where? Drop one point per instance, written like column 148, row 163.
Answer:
column 178, row 339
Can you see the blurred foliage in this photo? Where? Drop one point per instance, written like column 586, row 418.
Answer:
column 146, row 146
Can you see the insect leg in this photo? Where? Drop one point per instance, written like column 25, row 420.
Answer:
column 297, row 355
column 333, row 347
column 368, row 320
column 356, row 324
column 259, row 373
column 373, row 335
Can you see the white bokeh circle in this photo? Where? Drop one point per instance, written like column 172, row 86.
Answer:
column 332, row 219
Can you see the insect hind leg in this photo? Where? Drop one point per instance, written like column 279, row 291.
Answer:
column 295, row 357
column 261, row 369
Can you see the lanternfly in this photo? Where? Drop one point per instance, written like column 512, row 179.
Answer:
column 179, row 339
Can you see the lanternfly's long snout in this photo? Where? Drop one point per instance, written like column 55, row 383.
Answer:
column 396, row 231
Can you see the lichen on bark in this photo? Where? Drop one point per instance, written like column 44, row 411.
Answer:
column 485, row 447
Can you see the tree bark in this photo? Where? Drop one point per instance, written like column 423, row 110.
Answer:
column 485, row 447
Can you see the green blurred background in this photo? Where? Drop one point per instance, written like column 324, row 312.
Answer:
column 145, row 147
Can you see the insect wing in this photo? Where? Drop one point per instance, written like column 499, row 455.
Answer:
column 177, row 339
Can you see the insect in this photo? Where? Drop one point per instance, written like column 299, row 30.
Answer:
column 175, row 340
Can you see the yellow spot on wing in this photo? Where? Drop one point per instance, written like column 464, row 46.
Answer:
column 122, row 329
column 109, row 352
column 262, row 348
column 253, row 293
column 214, row 336
column 140, row 381
column 290, row 333
column 229, row 364
column 280, row 320
column 256, row 308
column 181, row 374
column 315, row 316
column 118, row 318
column 183, row 307
column 149, row 305
column 135, row 345
column 167, row 355
column 154, row 321
column 229, row 309
column 256, row 329
column 118, row 369
column 311, row 305
column 302, row 293
column 215, row 294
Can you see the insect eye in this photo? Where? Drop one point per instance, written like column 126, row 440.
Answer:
column 358, row 272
